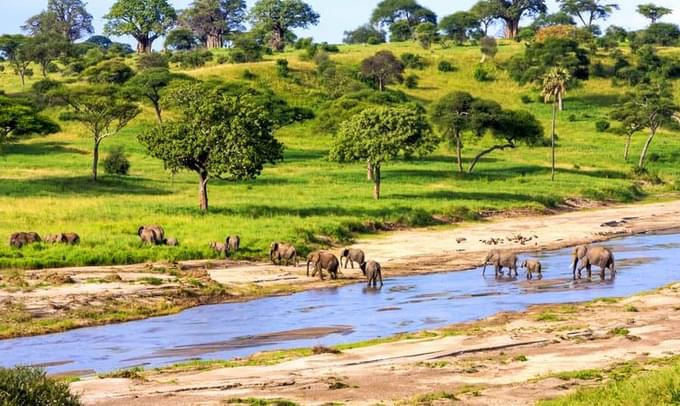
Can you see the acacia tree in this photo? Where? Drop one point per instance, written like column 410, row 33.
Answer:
column 426, row 34
column 451, row 116
column 380, row 134
column 554, row 88
column 460, row 26
column 402, row 17
column 68, row 18
column 653, row 12
column 43, row 50
column 632, row 121
column 102, row 109
column 588, row 11
column 144, row 20
column 382, row 69
column 279, row 17
column 19, row 119
column 15, row 49
column 216, row 135
column 213, row 20
column 512, row 11
column 149, row 85
column 485, row 11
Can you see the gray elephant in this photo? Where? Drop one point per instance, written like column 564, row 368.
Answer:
column 323, row 260
column 233, row 243
column 533, row 266
column 172, row 242
column 588, row 256
column 500, row 259
column 53, row 238
column 280, row 253
column 70, row 238
column 152, row 234
column 373, row 272
column 19, row 240
column 352, row 255
column 218, row 247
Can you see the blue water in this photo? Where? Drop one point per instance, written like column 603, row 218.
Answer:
column 404, row 304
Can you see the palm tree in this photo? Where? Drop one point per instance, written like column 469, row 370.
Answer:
column 554, row 88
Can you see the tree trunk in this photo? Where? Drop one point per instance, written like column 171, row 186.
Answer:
column 626, row 151
column 95, row 160
column 144, row 45
column 554, row 127
column 511, row 28
column 203, row 191
column 369, row 170
column 459, row 153
column 376, row 182
column 157, row 108
column 645, row 149
column 214, row 41
column 22, row 76
column 486, row 152
column 278, row 40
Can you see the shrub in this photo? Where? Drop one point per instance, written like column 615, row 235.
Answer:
column 152, row 60
column 413, row 61
column 112, row 71
column 248, row 75
column 446, row 66
column 116, row 163
column 482, row 74
column 31, row 386
column 222, row 59
column 411, row 81
column 191, row 59
column 526, row 99
column 602, row 126
column 282, row 68
column 571, row 118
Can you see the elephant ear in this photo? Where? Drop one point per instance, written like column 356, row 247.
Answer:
column 139, row 230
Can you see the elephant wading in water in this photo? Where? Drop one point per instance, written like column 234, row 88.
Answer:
column 153, row 234
column 279, row 253
column 588, row 256
column 352, row 255
column 373, row 272
column 323, row 260
column 500, row 260
column 533, row 266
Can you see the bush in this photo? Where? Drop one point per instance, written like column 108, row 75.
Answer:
column 248, row 75
column 571, row 118
column 446, row 66
column 526, row 99
column 31, row 386
column 107, row 72
column 152, row 60
column 191, row 59
column 413, row 61
column 282, row 68
column 411, row 81
column 602, row 126
column 116, row 163
column 481, row 73
column 222, row 59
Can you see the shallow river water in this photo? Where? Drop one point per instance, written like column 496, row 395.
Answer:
column 346, row 314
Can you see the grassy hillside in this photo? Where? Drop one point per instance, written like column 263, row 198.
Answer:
column 45, row 186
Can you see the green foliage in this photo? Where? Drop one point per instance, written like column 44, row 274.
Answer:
column 653, row 12
column 31, row 386
column 145, row 20
column 402, row 17
column 602, row 126
column 282, row 68
column 16, row 50
column 214, row 21
column 107, row 72
column 181, row 39
column 245, row 49
column 382, row 69
column 426, row 34
column 278, row 17
column 540, row 57
column 365, row 34
column 152, row 60
column 18, row 118
column 664, row 34
column 149, row 85
column 413, row 61
column 460, row 26
column 191, row 59
column 481, row 73
column 411, row 81
column 445, row 67
column 588, row 11
column 116, row 163
column 67, row 19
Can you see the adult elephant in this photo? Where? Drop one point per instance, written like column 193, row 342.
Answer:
column 500, row 259
column 588, row 256
column 280, row 252
column 323, row 260
column 152, row 234
column 18, row 240
column 352, row 255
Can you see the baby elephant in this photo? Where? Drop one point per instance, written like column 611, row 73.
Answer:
column 233, row 243
column 373, row 272
column 280, row 252
column 533, row 266
column 18, row 240
column 352, row 255
column 323, row 260
column 172, row 242
column 219, row 248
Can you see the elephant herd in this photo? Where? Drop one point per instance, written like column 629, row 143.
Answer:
column 21, row 239
column 583, row 257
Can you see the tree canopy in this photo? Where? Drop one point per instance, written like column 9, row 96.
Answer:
column 214, row 20
column 277, row 17
column 144, row 20
column 588, row 11
column 653, row 12
column 18, row 118
column 402, row 17
column 16, row 50
column 366, row 34
column 512, row 11
column 461, row 26
column 68, row 18
column 382, row 69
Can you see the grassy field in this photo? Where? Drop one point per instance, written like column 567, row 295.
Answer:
column 45, row 185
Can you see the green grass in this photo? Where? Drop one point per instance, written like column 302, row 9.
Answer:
column 45, row 186
column 547, row 316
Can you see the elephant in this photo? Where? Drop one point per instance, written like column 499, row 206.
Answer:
column 18, row 240
column 373, row 272
column 323, row 260
column 172, row 242
column 533, row 266
column 152, row 234
column 233, row 243
column 280, row 252
column 500, row 260
column 53, row 238
column 70, row 238
column 352, row 255
column 218, row 247
column 589, row 256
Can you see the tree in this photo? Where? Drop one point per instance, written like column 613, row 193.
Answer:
column 382, row 69
column 279, row 17
column 214, row 20
column 426, row 34
column 102, row 109
column 181, row 40
column 540, row 57
column 512, row 11
column 380, row 134
column 216, row 136
column 15, row 49
column 554, row 88
column 632, row 121
column 68, row 18
column 451, row 117
column 43, row 50
column 149, row 84
column 402, row 17
column 653, row 12
column 104, row 43
column 109, row 71
column 366, row 34
column 485, row 12
column 510, row 127
column 18, row 118
column 460, row 26
column 588, row 11
column 144, row 20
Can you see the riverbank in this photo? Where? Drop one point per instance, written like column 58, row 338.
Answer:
column 38, row 302
column 509, row 359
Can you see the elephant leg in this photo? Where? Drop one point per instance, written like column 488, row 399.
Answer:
column 589, row 267
column 351, row 261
